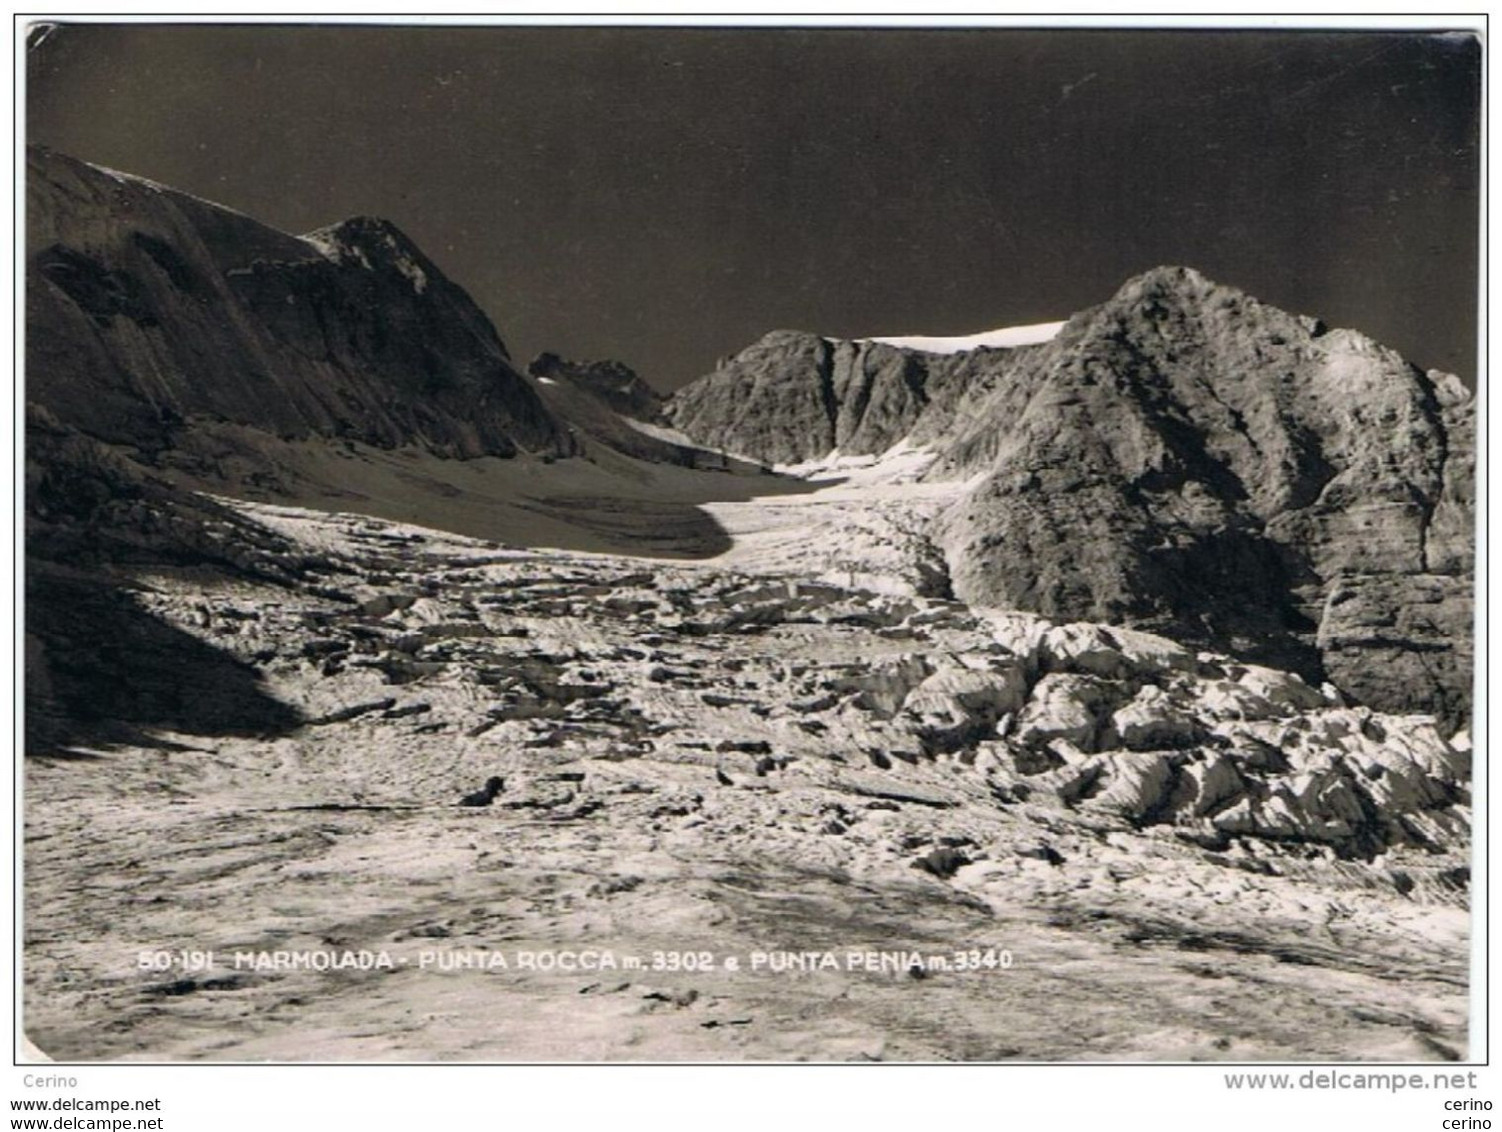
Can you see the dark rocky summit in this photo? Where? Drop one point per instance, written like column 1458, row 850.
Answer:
column 601, row 403
column 793, row 396
column 148, row 308
column 1182, row 457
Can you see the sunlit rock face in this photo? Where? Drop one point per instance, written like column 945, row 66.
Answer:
column 1198, row 462
column 1183, row 458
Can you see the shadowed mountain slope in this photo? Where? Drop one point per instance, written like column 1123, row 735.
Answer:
column 148, row 308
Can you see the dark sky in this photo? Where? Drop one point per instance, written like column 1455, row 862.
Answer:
column 665, row 196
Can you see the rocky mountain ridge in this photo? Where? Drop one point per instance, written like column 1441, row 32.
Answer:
column 606, row 404
column 154, row 316
column 614, row 383
column 793, row 397
column 1183, row 458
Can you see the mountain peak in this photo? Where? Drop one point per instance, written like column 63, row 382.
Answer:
column 1173, row 275
column 371, row 242
column 1169, row 281
column 356, row 331
column 1187, row 291
column 1178, row 438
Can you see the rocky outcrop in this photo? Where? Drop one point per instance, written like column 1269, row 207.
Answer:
column 1141, row 731
column 150, row 311
column 1182, row 458
column 614, row 384
column 772, row 401
column 793, row 397
column 606, row 405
